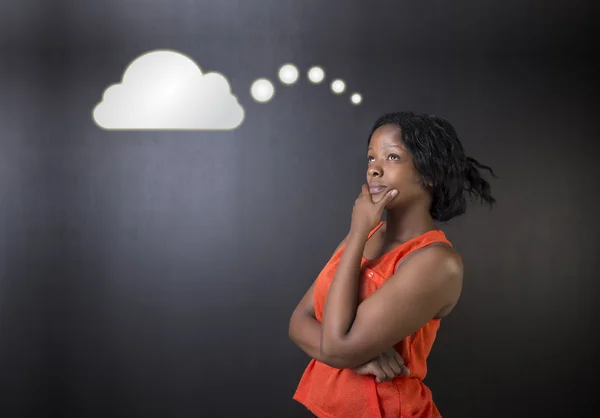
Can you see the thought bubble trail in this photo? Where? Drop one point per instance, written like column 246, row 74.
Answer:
column 262, row 90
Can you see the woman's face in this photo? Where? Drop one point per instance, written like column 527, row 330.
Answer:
column 390, row 167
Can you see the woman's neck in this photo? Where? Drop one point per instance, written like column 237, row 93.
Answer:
column 403, row 224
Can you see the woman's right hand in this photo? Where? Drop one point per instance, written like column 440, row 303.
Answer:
column 385, row 367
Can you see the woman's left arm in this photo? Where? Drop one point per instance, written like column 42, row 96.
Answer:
column 427, row 281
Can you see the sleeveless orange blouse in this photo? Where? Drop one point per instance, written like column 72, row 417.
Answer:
column 342, row 393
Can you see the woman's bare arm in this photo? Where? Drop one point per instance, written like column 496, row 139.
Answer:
column 304, row 329
column 305, row 332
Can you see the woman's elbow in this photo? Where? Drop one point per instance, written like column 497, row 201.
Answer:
column 336, row 360
column 295, row 327
column 339, row 362
column 291, row 328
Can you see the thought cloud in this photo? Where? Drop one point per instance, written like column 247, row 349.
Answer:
column 164, row 90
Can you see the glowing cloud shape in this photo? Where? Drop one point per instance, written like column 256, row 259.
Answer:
column 165, row 90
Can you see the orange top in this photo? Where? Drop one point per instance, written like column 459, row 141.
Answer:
column 331, row 393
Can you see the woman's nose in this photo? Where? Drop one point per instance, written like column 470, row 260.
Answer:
column 374, row 171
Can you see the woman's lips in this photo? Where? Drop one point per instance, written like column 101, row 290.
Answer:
column 376, row 189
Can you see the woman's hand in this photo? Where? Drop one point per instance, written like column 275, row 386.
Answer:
column 366, row 213
column 385, row 367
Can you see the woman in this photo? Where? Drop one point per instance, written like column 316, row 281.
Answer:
column 370, row 318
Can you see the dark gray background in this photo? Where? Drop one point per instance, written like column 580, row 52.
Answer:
column 153, row 274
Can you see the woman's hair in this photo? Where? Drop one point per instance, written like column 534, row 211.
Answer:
column 439, row 157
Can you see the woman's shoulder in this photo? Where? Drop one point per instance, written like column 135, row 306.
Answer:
column 441, row 251
column 438, row 254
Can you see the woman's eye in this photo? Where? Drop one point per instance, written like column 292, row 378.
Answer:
column 391, row 156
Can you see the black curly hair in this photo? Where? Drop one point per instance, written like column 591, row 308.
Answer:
column 439, row 157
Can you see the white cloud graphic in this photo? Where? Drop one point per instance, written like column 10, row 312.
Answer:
column 167, row 90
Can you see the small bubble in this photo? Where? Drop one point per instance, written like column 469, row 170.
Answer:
column 356, row 98
column 288, row 74
column 338, row 86
column 316, row 74
column 262, row 90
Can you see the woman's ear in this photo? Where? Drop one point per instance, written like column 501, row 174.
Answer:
column 427, row 183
